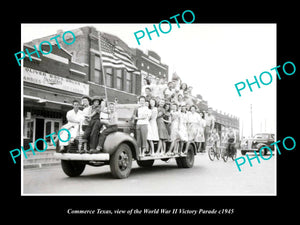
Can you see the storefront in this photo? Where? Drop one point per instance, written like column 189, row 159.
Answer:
column 46, row 100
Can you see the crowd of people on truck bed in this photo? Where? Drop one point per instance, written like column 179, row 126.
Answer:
column 166, row 115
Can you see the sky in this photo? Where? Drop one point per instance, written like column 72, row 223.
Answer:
column 211, row 58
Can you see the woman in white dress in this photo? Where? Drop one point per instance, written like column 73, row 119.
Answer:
column 193, row 123
column 183, row 130
column 152, row 127
column 200, row 134
column 174, row 134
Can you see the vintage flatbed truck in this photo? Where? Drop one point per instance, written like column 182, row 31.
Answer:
column 119, row 151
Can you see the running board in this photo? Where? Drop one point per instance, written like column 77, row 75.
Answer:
column 142, row 158
column 82, row 157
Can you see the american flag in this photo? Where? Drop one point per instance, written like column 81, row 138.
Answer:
column 115, row 56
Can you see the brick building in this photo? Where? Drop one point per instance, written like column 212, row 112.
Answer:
column 150, row 64
column 52, row 81
column 224, row 121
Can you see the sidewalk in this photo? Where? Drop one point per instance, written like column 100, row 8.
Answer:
column 40, row 159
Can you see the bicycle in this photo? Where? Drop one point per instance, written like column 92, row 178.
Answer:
column 229, row 151
column 213, row 151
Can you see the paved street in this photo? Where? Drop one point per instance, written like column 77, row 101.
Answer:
column 205, row 178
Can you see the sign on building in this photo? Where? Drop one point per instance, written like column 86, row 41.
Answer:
column 53, row 81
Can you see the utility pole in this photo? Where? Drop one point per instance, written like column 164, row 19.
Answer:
column 251, row 120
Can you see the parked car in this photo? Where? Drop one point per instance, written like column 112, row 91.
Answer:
column 257, row 142
column 119, row 150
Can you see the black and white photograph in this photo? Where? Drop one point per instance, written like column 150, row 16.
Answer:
column 124, row 112
column 131, row 109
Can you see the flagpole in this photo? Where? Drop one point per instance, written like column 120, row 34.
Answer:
column 103, row 75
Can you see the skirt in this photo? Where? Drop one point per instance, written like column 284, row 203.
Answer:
column 163, row 132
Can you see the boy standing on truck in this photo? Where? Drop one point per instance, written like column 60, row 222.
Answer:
column 111, row 126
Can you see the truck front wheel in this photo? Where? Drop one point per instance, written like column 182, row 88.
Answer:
column 121, row 162
column 72, row 168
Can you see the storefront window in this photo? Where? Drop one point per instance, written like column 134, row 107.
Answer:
column 28, row 129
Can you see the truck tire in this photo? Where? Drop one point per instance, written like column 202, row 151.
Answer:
column 121, row 162
column 179, row 162
column 187, row 161
column 145, row 163
column 72, row 168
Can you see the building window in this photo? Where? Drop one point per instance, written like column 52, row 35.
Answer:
column 109, row 77
column 128, row 81
column 119, row 76
column 97, row 70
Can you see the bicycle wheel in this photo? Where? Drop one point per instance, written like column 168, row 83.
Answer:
column 218, row 153
column 233, row 156
column 225, row 155
column 211, row 153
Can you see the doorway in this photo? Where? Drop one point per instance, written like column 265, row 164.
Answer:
column 39, row 132
column 51, row 126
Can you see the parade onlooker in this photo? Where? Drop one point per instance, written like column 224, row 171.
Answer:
column 152, row 128
column 162, row 128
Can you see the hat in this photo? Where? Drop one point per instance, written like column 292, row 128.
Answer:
column 87, row 97
column 97, row 98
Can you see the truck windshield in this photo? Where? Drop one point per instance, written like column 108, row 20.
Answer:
column 125, row 111
column 261, row 136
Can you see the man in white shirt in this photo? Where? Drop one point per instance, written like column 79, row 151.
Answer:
column 74, row 118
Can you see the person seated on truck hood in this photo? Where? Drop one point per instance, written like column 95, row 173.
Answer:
column 111, row 126
column 92, row 130
column 74, row 118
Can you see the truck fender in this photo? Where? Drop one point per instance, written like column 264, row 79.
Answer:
column 113, row 140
